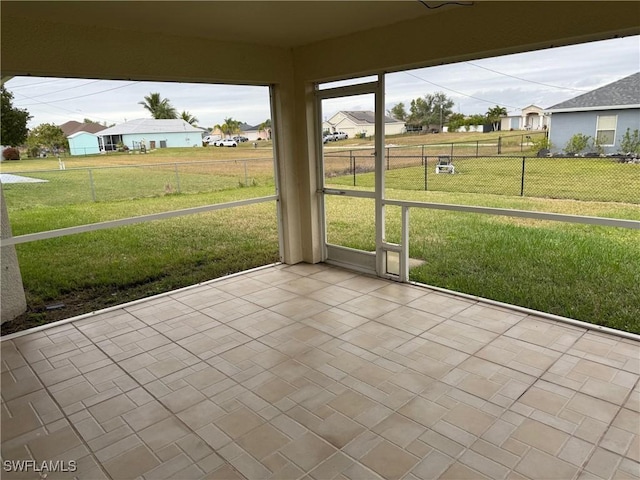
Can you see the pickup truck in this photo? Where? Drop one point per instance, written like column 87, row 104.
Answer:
column 328, row 137
column 340, row 136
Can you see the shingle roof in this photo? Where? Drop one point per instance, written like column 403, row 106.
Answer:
column 245, row 127
column 623, row 93
column 151, row 125
column 71, row 127
column 360, row 117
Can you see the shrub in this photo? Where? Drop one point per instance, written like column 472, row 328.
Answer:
column 540, row 143
column 597, row 147
column 630, row 142
column 577, row 143
column 11, row 153
column 33, row 152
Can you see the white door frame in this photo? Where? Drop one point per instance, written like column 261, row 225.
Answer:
column 374, row 263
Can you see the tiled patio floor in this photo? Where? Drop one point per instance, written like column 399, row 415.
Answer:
column 315, row 372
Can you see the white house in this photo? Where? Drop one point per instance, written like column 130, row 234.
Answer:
column 529, row 118
column 354, row 122
column 152, row 133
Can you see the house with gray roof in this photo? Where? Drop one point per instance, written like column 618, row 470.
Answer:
column 354, row 122
column 151, row 133
column 604, row 114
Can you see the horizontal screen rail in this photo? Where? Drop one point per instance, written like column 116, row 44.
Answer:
column 555, row 217
column 347, row 193
column 32, row 237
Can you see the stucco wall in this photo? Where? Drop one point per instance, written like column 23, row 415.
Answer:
column 12, row 299
column 184, row 139
column 566, row 124
column 84, row 144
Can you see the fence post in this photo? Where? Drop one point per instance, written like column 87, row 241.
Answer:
column 425, row 161
column 93, row 188
column 354, row 171
column 522, row 177
column 177, row 177
column 499, row 145
column 452, row 149
column 477, row 148
column 422, row 156
column 388, row 159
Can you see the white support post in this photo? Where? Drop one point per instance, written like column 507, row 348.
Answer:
column 379, row 177
column 404, row 243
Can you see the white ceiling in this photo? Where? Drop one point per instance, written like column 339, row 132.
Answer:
column 273, row 23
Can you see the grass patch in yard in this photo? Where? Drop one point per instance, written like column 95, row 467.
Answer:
column 596, row 179
column 89, row 271
column 77, row 186
column 584, row 272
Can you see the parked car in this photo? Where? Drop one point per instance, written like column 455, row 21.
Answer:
column 240, row 139
column 328, row 137
column 340, row 136
column 225, row 142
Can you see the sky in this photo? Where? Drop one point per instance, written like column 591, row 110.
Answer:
column 541, row 78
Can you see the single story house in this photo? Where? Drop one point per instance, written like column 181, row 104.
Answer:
column 82, row 137
column 152, row 133
column 71, row 127
column 83, row 143
column 254, row 133
column 529, row 118
column 355, row 122
column 604, row 114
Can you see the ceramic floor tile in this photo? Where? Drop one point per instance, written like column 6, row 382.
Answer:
column 308, row 451
column 389, row 461
column 460, row 336
column 239, row 422
column 315, row 372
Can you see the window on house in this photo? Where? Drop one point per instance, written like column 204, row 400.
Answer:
column 606, row 129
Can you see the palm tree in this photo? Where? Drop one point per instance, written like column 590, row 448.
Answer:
column 159, row 107
column 494, row 114
column 190, row 119
column 229, row 126
column 266, row 126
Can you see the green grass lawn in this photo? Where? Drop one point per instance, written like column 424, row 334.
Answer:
column 100, row 184
column 597, row 179
column 584, row 272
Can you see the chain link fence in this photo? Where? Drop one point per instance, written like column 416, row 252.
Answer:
column 100, row 184
column 579, row 178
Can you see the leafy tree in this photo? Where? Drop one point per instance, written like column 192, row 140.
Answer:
column 159, row 107
column 630, row 142
column 47, row 135
column 190, row 119
column 229, row 126
column 94, row 122
column 398, row 111
column 455, row 121
column 494, row 114
column 13, row 121
column 577, row 143
column 432, row 110
column 476, row 119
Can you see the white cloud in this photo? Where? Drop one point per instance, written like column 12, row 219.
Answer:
column 513, row 81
